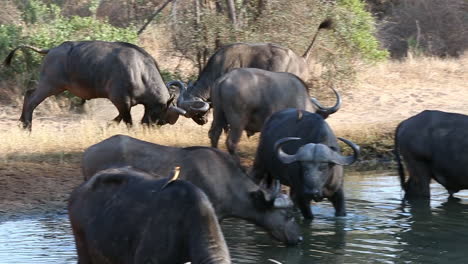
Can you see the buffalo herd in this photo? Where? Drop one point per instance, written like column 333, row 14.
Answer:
column 142, row 202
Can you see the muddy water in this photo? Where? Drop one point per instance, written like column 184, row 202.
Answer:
column 378, row 229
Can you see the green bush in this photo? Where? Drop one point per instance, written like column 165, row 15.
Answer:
column 46, row 28
column 10, row 36
column 356, row 28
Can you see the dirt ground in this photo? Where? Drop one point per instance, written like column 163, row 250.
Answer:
column 27, row 187
column 385, row 95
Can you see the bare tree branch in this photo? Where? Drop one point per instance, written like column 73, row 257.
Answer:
column 153, row 16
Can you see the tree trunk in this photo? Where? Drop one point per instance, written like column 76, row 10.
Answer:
column 261, row 7
column 232, row 12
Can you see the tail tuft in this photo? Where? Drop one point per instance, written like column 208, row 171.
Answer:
column 326, row 24
column 7, row 61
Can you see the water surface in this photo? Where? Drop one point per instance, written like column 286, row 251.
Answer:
column 377, row 229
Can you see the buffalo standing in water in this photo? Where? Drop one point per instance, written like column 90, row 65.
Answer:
column 122, row 72
column 126, row 216
column 433, row 145
column 266, row 56
column 314, row 167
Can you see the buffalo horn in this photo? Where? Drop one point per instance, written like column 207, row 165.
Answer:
column 282, row 201
column 205, row 107
column 276, row 188
column 178, row 110
column 177, row 83
column 282, row 156
column 328, row 110
column 346, row 160
column 182, row 89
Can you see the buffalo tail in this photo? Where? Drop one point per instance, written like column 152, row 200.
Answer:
column 8, row 59
column 396, row 152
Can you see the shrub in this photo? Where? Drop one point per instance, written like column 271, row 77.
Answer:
column 198, row 34
column 46, row 28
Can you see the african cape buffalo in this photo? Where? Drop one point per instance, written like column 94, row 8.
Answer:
column 266, row 56
column 314, row 167
column 434, row 145
column 244, row 98
column 126, row 216
column 231, row 191
column 122, row 72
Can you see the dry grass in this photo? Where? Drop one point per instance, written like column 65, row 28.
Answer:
column 384, row 95
column 63, row 137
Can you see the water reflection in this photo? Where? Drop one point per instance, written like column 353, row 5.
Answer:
column 379, row 228
column 436, row 235
column 45, row 239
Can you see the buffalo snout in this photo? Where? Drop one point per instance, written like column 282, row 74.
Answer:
column 293, row 233
column 200, row 119
column 313, row 193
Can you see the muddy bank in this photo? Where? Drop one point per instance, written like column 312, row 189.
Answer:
column 29, row 187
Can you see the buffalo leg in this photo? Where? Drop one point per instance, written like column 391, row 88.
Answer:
column 234, row 136
column 338, row 201
column 214, row 134
column 303, row 204
column 145, row 120
column 219, row 122
column 117, row 119
column 124, row 112
column 33, row 98
column 81, row 248
column 419, row 179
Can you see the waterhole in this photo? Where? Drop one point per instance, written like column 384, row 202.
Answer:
column 379, row 228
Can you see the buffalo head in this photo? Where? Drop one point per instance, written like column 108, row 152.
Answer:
column 171, row 113
column 195, row 107
column 317, row 162
column 277, row 216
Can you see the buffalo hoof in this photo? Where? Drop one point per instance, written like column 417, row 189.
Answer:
column 26, row 126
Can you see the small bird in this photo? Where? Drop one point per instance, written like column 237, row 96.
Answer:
column 175, row 176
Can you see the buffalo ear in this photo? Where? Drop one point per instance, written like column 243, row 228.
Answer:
column 172, row 118
column 260, row 199
column 108, row 178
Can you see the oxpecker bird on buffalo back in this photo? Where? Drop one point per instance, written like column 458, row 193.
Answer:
column 123, row 215
column 231, row 191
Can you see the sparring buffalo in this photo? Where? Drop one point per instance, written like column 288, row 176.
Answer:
column 433, row 145
column 126, row 216
column 267, row 56
column 122, row 72
column 231, row 191
column 244, row 98
column 314, row 166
